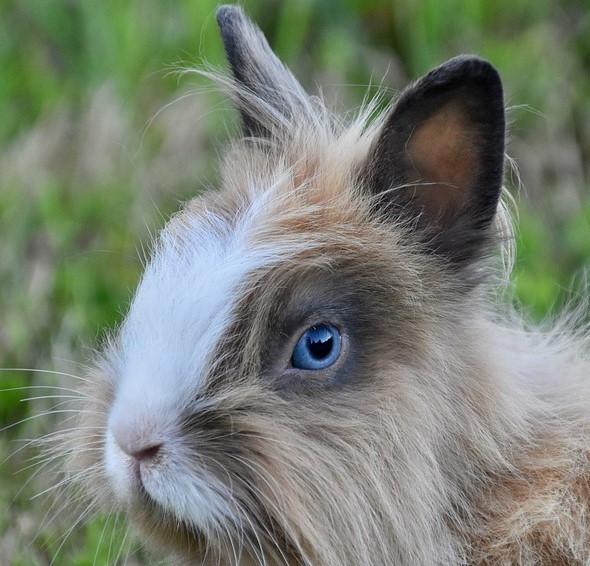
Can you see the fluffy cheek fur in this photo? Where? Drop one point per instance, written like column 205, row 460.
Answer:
column 264, row 465
column 289, row 468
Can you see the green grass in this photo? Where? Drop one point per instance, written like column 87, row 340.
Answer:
column 94, row 158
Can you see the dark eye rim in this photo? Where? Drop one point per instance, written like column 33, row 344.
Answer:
column 279, row 373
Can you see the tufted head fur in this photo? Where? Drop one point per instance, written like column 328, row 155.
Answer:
column 435, row 437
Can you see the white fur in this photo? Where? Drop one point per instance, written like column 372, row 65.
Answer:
column 182, row 307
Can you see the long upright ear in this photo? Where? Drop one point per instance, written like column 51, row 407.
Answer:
column 268, row 95
column 438, row 161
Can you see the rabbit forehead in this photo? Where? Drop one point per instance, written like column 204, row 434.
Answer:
column 186, row 299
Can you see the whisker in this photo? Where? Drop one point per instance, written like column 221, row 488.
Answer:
column 46, row 414
column 48, row 371
column 83, row 517
column 66, row 398
column 100, row 540
column 52, row 443
column 122, row 546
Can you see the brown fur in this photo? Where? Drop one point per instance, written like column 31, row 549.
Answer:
column 442, row 437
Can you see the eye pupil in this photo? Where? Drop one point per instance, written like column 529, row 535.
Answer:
column 318, row 348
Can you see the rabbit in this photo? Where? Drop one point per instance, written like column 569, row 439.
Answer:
column 316, row 368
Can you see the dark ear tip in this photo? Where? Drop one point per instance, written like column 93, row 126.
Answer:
column 468, row 61
column 227, row 14
column 468, row 67
column 479, row 65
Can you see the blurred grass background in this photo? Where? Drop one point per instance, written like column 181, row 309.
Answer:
column 100, row 140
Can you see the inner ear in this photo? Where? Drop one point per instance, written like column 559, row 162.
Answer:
column 437, row 163
column 443, row 163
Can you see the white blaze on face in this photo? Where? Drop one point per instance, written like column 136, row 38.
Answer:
column 183, row 305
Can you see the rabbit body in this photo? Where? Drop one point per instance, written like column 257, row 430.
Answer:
column 439, row 435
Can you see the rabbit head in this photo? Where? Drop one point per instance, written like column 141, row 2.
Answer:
column 305, row 373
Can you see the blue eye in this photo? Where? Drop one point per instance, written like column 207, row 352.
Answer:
column 318, row 348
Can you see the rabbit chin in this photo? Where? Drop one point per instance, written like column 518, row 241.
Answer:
column 160, row 489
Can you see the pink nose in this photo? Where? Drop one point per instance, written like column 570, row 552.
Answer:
column 136, row 441
column 145, row 453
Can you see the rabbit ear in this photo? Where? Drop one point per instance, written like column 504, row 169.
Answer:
column 268, row 95
column 438, row 160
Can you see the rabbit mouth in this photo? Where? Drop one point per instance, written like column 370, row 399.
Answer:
column 155, row 483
